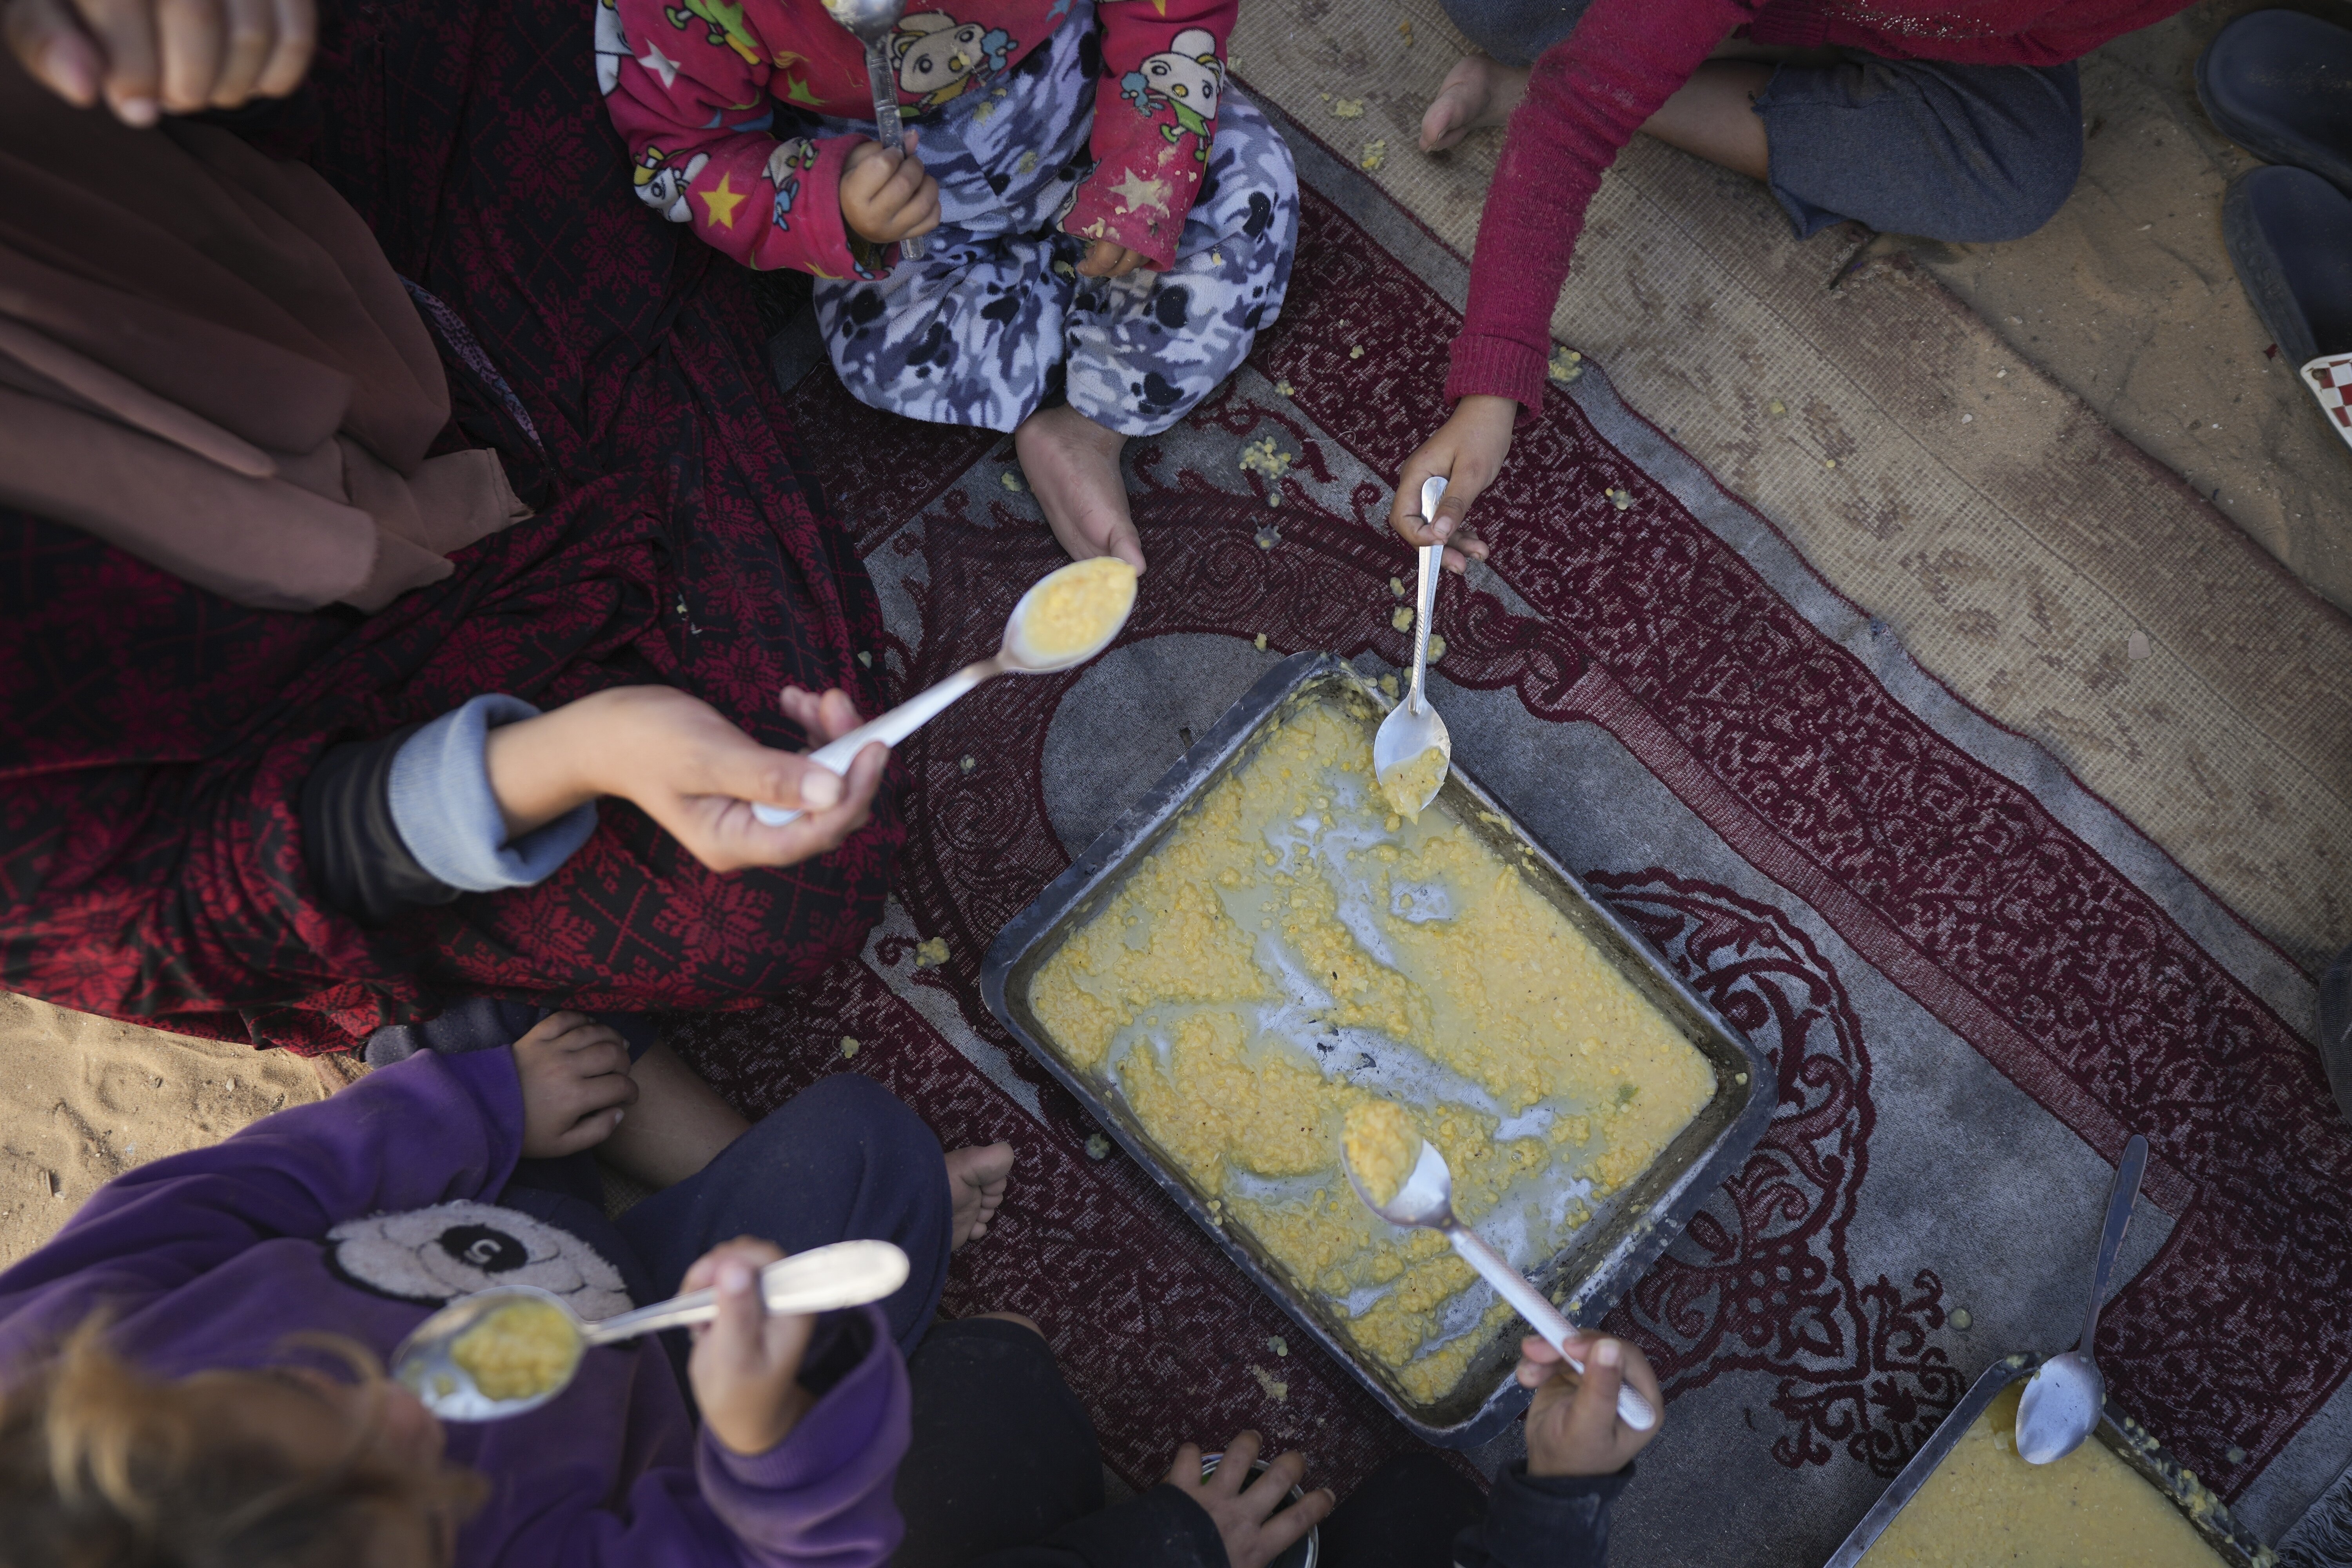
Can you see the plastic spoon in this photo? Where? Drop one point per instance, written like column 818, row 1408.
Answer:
column 2062, row 1400
column 846, row 1274
column 871, row 23
column 1412, row 726
column 1427, row 1201
column 1016, row 656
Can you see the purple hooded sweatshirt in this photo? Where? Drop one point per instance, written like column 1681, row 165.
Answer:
column 311, row 1220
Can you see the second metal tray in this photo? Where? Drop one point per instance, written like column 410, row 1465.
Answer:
column 1604, row 1258
column 2131, row 1442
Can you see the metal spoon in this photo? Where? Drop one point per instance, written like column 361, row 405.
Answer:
column 1412, row 726
column 846, row 1274
column 2062, row 1402
column 871, row 23
column 911, row 715
column 1427, row 1201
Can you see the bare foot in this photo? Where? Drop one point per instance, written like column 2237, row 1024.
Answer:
column 1073, row 464
column 976, row 1179
column 1477, row 92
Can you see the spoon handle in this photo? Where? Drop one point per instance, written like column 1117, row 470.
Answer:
column 846, row 1274
column 2128, row 1171
column 889, row 131
column 1424, row 605
column 889, row 728
column 1531, row 1303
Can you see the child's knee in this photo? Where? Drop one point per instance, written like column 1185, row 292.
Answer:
column 853, row 1117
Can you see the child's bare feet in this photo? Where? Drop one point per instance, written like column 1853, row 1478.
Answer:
column 1073, row 464
column 1477, row 92
column 976, row 1179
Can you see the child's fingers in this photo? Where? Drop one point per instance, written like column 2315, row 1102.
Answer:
column 1184, row 1469
column 296, row 31
column 735, row 1329
column 826, row 830
column 1286, row 1472
column 703, row 1269
column 125, row 32
column 592, row 1110
column 838, row 715
column 748, row 1249
column 49, row 41
column 189, row 35
column 749, row 770
column 1233, row 1470
column 594, row 1052
column 250, row 33
column 1283, row 1531
column 1431, row 461
column 906, row 178
column 1593, row 1417
column 923, row 212
column 553, row 1028
column 826, row 717
column 1452, row 506
column 910, row 207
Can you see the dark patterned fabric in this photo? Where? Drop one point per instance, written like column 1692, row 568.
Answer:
column 154, row 739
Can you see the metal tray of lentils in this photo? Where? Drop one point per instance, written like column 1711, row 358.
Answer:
column 2232, row 1542
column 1602, row 1259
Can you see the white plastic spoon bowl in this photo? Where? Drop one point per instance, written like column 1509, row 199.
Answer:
column 1018, row 656
column 1425, row 1201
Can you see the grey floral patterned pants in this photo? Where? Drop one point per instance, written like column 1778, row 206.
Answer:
column 994, row 323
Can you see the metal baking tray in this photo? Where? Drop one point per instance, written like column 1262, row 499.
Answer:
column 1603, row 1259
column 2231, row 1541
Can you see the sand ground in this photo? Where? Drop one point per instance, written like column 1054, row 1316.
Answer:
column 2127, row 299
column 82, row 1100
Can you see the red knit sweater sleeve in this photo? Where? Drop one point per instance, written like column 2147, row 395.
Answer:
column 1586, row 98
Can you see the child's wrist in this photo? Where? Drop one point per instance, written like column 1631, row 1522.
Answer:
column 533, row 767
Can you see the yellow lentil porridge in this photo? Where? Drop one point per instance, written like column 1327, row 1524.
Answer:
column 1985, row 1505
column 1408, row 784
column 521, row 1350
column 1383, row 1146
column 1293, row 950
column 1078, row 606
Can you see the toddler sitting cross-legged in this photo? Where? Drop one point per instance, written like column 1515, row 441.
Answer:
column 1109, row 224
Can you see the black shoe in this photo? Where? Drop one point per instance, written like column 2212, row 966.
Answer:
column 2336, row 1029
column 2290, row 237
column 2279, row 84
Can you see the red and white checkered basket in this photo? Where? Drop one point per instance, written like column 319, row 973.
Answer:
column 2330, row 379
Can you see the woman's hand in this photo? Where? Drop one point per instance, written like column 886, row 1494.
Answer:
column 746, row 1365
column 575, row 1084
column 1468, row 452
column 1243, row 1505
column 1572, row 1427
column 689, row 770
column 885, row 195
column 149, row 57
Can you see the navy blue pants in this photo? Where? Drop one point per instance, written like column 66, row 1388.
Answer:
column 841, row 1160
column 1969, row 155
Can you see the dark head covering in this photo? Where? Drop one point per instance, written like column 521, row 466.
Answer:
column 206, row 360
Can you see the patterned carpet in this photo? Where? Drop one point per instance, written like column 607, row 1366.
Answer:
column 1977, row 978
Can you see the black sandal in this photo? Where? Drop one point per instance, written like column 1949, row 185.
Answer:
column 2279, row 84
column 2290, row 237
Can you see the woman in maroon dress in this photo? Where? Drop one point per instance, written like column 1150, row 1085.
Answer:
column 300, row 456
